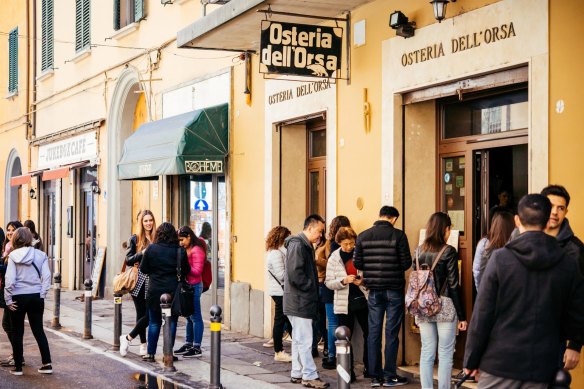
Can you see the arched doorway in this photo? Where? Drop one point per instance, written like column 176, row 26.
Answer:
column 12, row 203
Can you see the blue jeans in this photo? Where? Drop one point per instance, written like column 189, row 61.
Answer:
column 333, row 323
column 154, row 323
column 443, row 336
column 195, row 324
column 302, row 362
column 386, row 303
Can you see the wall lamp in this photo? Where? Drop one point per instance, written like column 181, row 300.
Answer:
column 440, row 8
column 401, row 24
column 95, row 187
column 32, row 194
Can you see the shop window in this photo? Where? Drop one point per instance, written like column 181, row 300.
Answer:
column 47, row 35
column 82, row 24
column 127, row 12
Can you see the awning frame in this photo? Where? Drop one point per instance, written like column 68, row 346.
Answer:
column 62, row 171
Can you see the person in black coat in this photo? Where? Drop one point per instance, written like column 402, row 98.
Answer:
column 530, row 297
column 160, row 263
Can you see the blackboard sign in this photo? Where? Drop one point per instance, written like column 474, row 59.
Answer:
column 98, row 261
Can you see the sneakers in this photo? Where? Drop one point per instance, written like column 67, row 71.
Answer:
column 376, row 382
column 461, row 375
column 395, row 381
column 124, row 345
column 9, row 362
column 329, row 363
column 46, row 369
column 295, row 380
column 148, row 358
column 282, row 356
column 269, row 343
column 194, row 352
column 287, row 337
column 316, row 383
column 184, row 349
column 143, row 349
column 16, row 371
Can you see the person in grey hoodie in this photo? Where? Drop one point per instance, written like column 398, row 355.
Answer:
column 28, row 280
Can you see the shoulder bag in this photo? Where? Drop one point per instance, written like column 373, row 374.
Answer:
column 125, row 281
column 183, row 302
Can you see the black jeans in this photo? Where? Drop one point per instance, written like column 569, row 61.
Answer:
column 33, row 306
column 7, row 323
column 362, row 316
column 141, row 315
column 280, row 320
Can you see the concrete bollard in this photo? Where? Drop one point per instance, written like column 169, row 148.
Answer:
column 117, row 321
column 167, row 358
column 57, row 309
column 562, row 380
column 88, row 300
column 215, row 381
column 343, row 344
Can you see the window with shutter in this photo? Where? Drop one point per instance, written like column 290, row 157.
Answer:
column 13, row 61
column 47, row 37
column 127, row 12
column 82, row 24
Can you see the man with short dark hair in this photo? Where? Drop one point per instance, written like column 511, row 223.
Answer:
column 383, row 254
column 531, row 295
column 301, row 300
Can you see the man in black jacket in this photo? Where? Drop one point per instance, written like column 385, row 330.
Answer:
column 531, row 295
column 383, row 254
column 301, row 300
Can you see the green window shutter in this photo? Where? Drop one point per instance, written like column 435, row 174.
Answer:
column 86, row 23
column 13, row 61
column 117, row 14
column 82, row 24
column 139, row 10
column 47, row 38
column 44, row 35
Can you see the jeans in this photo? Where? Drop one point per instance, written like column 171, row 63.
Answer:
column 195, row 326
column 6, row 322
column 141, row 315
column 333, row 323
column 386, row 303
column 443, row 336
column 302, row 362
column 349, row 320
column 280, row 321
column 33, row 306
column 155, row 316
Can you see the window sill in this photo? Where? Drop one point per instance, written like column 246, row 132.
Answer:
column 12, row 95
column 126, row 30
column 47, row 73
column 81, row 54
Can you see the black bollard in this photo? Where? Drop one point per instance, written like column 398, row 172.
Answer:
column 563, row 380
column 57, row 310
column 117, row 321
column 343, row 344
column 215, row 326
column 88, row 299
column 167, row 358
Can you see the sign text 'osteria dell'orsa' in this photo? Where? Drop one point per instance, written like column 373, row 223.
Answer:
column 459, row 44
column 300, row 49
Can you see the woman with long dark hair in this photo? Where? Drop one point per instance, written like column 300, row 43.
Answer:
column 197, row 254
column 136, row 247
column 440, row 329
column 160, row 262
column 37, row 242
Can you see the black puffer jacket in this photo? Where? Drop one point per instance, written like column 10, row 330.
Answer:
column 300, row 278
column 446, row 271
column 383, row 254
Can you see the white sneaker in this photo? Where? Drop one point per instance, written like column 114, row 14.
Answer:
column 143, row 349
column 269, row 343
column 287, row 337
column 282, row 356
column 124, row 345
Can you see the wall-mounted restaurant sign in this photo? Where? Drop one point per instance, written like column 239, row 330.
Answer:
column 203, row 166
column 300, row 49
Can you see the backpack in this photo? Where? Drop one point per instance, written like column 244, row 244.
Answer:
column 207, row 275
column 422, row 298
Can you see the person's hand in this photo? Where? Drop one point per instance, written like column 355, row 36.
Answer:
column 348, row 279
column 462, row 325
column 571, row 359
column 473, row 373
column 13, row 307
column 358, row 281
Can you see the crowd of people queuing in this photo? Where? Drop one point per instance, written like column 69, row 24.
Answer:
column 528, row 316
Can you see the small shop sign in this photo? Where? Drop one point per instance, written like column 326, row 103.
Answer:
column 203, row 166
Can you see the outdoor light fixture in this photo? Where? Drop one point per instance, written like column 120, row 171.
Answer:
column 440, row 8
column 95, row 187
column 401, row 24
column 32, row 194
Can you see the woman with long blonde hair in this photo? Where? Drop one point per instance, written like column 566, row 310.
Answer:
column 136, row 247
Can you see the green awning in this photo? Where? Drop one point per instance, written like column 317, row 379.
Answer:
column 192, row 143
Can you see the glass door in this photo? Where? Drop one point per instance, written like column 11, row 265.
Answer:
column 49, row 221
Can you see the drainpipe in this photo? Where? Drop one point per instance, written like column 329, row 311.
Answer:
column 403, row 174
column 32, row 119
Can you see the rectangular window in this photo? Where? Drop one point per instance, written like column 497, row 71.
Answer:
column 47, row 37
column 13, row 61
column 82, row 24
column 127, row 12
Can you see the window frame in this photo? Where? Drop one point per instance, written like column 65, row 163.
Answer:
column 47, row 35
column 138, row 14
column 82, row 25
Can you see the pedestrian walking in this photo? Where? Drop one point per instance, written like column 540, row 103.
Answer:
column 196, row 250
column 276, row 258
column 28, row 280
column 531, row 295
column 383, row 254
column 439, row 331
column 37, row 242
column 327, row 295
column 136, row 247
column 350, row 296
column 319, row 330
column 301, row 300
column 159, row 262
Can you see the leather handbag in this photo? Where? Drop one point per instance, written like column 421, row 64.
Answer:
column 125, row 281
column 183, row 302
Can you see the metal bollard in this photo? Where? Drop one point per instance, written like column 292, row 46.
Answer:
column 562, row 380
column 117, row 321
column 167, row 358
column 215, row 381
column 343, row 344
column 57, row 310
column 88, row 299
